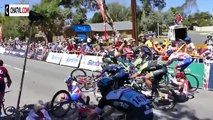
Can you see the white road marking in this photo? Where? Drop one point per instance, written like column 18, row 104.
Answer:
column 19, row 69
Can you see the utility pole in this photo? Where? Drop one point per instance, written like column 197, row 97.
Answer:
column 134, row 27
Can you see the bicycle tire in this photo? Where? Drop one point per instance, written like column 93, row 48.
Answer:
column 76, row 70
column 195, row 80
column 164, row 81
column 172, row 105
column 90, row 87
column 53, row 107
column 10, row 111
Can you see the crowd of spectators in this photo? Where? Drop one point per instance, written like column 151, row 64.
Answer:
column 96, row 45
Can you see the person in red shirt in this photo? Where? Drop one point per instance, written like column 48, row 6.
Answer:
column 178, row 19
column 3, row 73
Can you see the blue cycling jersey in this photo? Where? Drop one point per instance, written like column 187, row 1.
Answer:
column 112, row 68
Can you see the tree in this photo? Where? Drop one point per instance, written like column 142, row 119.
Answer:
column 97, row 18
column 199, row 19
column 117, row 11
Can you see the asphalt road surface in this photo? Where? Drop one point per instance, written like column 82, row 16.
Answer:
column 42, row 80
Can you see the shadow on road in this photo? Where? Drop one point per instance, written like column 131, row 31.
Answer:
column 180, row 112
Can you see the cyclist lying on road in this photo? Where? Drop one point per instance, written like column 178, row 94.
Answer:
column 183, row 84
column 75, row 92
column 134, row 104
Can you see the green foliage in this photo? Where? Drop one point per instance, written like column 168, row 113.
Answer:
column 118, row 13
column 14, row 26
column 199, row 19
column 97, row 18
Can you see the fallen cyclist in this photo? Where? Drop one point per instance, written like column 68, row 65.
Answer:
column 75, row 92
column 134, row 104
column 183, row 87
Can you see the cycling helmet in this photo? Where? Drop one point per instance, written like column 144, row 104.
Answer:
column 169, row 52
column 180, row 75
column 105, row 83
column 209, row 36
column 188, row 38
column 68, row 79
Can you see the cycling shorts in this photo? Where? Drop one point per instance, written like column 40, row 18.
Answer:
column 185, row 63
column 2, row 86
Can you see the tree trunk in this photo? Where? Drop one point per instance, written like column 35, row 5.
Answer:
column 49, row 37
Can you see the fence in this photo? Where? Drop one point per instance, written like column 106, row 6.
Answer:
column 93, row 63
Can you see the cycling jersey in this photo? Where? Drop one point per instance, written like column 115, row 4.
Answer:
column 118, row 74
column 74, row 93
column 179, row 56
column 3, row 73
column 112, row 68
column 184, row 58
column 135, row 105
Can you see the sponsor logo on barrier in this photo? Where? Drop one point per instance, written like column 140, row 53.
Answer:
column 55, row 57
column 91, row 62
column 71, row 59
column 95, row 63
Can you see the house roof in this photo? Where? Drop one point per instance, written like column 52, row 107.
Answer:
column 123, row 25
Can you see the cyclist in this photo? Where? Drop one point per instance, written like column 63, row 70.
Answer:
column 183, row 87
column 75, row 92
column 155, row 73
column 184, row 58
column 134, row 104
column 3, row 73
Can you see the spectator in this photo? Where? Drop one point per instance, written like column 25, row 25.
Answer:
column 128, row 52
column 150, row 42
column 209, row 40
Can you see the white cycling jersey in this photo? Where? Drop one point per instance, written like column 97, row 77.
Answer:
column 179, row 56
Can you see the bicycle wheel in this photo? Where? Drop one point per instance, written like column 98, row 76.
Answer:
column 78, row 71
column 88, row 85
column 193, row 80
column 164, row 81
column 10, row 111
column 59, row 106
column 160, row 103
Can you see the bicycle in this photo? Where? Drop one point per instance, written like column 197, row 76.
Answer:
column 167, row 79
column 8, row 110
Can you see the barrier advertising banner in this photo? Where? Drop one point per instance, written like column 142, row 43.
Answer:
column 2, row 50
column 193, row 69
column 72, row 60
column 54, row 57
column 90, row 62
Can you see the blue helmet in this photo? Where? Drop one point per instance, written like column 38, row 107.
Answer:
column 68, row 79
column 105, row 83
column 188, row 38
column 169, row 52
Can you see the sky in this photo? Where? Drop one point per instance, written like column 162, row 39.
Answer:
column 203, row 5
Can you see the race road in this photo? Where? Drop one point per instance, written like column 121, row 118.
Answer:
column 42, row 80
